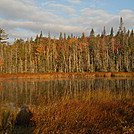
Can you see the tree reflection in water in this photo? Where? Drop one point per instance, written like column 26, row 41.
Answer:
column 30, row 92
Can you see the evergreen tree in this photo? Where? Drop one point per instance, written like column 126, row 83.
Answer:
column 112, row 31
column 104, row 31
column 41, row 35
column 83, row 37
column 71, row 35
column 132, row 33
column 60, row 37
column 92, row 33
column 68, row 37
column 65, row 36
column 121, row 26
column 3, row 35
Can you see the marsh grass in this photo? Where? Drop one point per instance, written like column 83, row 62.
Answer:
column 65, row 75
column 6, row 120
column 94, row 112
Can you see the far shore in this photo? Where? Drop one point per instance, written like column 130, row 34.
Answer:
column 66, row 75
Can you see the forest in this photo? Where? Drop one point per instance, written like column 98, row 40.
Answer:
column 113, row 52
column 70, row 85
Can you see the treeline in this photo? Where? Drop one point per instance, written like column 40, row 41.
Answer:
column 101, row 53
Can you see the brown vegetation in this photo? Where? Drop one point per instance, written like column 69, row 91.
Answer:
column 100, row 112
column 97, row 112
column 66, row 75
column 86, row 117
column 1, row 62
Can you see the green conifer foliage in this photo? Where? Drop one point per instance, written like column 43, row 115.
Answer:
column 112, row 53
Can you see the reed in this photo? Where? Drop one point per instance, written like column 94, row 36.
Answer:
column 94, row 112
column 66, row 75
column 6, row 120
column 97, row 112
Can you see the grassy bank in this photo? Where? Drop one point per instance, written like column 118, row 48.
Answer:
column 66, row 75
column 97, row 112
column 74, row 117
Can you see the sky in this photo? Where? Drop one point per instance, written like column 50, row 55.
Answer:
column 27, row 18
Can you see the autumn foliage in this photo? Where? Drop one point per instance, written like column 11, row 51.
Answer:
column 101, row 53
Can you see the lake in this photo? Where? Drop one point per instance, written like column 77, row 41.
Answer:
column 32, row 91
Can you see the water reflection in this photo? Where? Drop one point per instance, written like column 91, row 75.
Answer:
column 29, row 92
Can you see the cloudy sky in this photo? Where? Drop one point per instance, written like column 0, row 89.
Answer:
column 26, row 18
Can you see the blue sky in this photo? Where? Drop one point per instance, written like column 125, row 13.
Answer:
column 26, row 18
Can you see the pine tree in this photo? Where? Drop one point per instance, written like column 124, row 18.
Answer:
column 92, row 33
column 71, row 35
column 3, row 35
column 65, row 36
column 41, row 35
column 68, row 37
column 121, row 26
column 132, row 33
column 112, row 31
column 83, row 37
column 104, row 31
column 60, row 37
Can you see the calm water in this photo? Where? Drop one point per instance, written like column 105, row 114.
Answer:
column 26, row 91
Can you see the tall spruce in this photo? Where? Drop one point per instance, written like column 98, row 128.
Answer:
column 112, row 31
column 92, row 33
column 3, row 35
column 121, row 26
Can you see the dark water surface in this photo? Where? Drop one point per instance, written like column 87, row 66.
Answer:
column 26, row 91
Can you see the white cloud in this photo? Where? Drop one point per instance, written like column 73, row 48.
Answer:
column 47, row 3
column 34, row 27
column 97, row 19
column 74, row 1
column 96, row 3
column 67, row 9
column 128, row 16
column 23, row 19
column 16, row 10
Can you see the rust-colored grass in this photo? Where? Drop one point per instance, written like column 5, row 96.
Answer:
column 66, row 75
column 77, row 117
column 95, row 112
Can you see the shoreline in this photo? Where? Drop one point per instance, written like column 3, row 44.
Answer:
column 66, row 75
